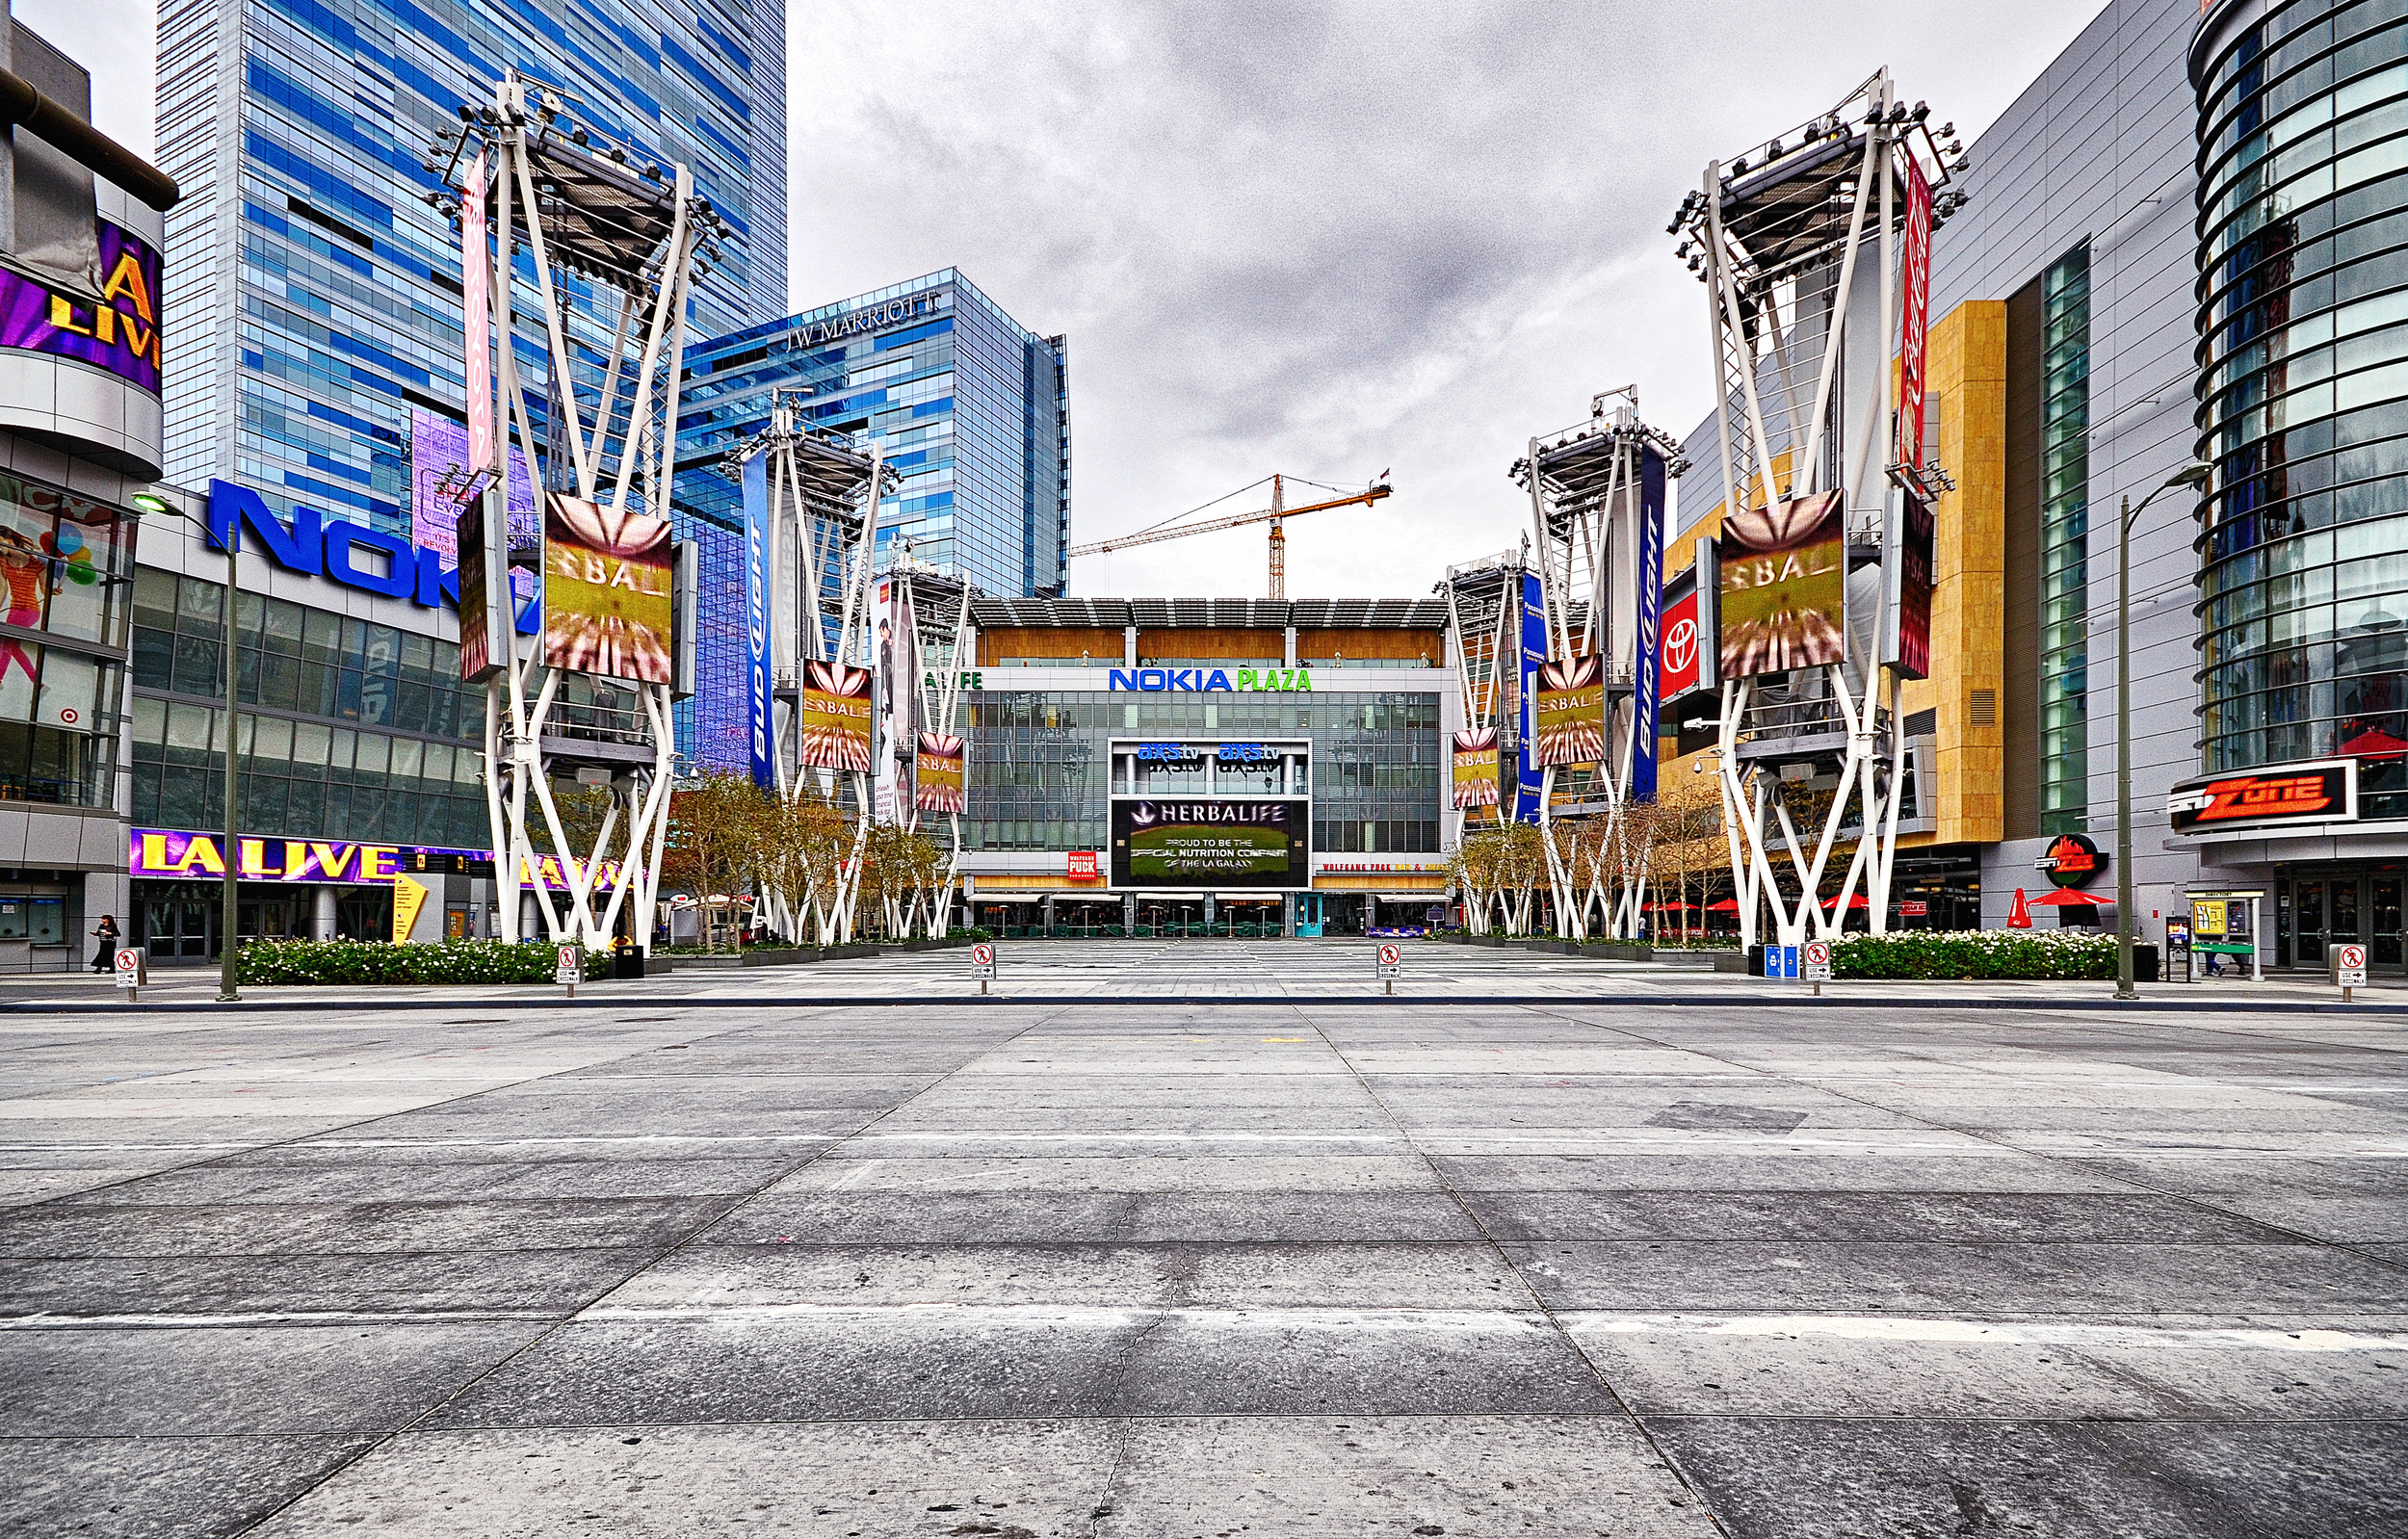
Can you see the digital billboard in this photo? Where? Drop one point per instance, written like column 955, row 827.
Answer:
column 1530, row 781
column 758, row 700
column 1915, row 315
column 1571, row 712
column 941, row 781
column 607, row 605
column 1911, row 548
column 1648, row 659
column 2323, row 792
column 1784, row 592
column 1680, row 649
column 1475, row 768
column 835, row 716
column 445, row 477
column 1212, row 843
column 118, row 335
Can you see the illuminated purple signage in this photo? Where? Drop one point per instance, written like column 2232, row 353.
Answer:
column 120, row 334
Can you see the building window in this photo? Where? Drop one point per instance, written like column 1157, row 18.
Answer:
column 2064, row 545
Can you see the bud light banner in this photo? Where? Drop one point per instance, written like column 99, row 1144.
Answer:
column 757, row 702
column 1531, row 781
column 121, row 334
column 1649, row 659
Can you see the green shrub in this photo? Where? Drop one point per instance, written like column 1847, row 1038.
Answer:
column 376, row 962
column 1976, row 953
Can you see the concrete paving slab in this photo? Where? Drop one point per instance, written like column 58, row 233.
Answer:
column 411, row 1286
column 1051, row 1170
column 367, row 1180
column 1802, row 1478
column 1034, row 1217
column 160, row 1488
column 163, row 1377
column 350, row 1229
column 1847, row 1215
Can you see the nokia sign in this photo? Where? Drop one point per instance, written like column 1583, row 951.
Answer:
column 351, row 553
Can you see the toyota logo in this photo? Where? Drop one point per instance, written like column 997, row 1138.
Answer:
column 1680, row 645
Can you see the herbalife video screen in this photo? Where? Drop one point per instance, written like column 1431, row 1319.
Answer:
column 1224, row 842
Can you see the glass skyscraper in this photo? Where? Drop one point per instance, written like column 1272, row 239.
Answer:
column 314, row 354
column 972, row 407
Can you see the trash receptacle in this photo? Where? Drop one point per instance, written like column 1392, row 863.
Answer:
column 626, row 962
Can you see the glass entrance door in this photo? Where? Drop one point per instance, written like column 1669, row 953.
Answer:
column 2383, row 949
column 177, row 927
column 2329, row 911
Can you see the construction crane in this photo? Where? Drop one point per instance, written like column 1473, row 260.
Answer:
column 1278, row 513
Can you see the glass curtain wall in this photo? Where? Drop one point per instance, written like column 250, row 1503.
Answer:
column 2065, row 545
column 2303, row 233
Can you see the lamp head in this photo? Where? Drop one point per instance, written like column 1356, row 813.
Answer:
column 2193, row 476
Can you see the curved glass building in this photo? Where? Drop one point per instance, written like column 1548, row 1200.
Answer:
column 2303, row 389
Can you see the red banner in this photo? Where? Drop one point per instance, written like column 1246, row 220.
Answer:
column 1915, row 322
column 476, row 287
column 1679, row 673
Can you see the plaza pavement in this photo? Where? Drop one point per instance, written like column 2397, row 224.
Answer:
column 1658, row 1255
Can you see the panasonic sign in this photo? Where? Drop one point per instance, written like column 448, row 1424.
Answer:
column 350, row 554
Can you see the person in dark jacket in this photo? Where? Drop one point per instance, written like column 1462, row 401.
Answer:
column 104, row 959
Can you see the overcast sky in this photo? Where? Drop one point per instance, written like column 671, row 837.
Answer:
column 1322, row 239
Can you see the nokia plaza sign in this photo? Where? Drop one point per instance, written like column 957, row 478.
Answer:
column 1202, row 681
column 337, row 549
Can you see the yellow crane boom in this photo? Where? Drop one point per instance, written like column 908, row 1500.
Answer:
column 1275, row 514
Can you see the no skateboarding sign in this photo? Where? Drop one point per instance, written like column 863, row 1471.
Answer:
column 982, row 963
column 2349, row 968
column 1387, row 962
column 1815, row 963
column 133, row 969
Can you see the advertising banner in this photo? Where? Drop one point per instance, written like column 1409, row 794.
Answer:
column 182, row 855
column 1217, row 844
column 607, row 604
column 835, row 716
column 484, row 613
column 1678, row 674
column 2323, row 792
column 119, row 335
column 898, row 665
column 444, row 480
column 1649, row 659
column 1909, row 547
column 1571, row 712
column 1475, row 768
column 1915, row 317
column 1530, row 781
column 1784, row 593
column 758, row 702
column 941, row 777
column 476, row 291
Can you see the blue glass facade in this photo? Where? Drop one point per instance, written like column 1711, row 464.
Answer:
column 313, row 330
column 973, row 411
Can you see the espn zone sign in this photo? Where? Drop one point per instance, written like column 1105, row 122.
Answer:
column 2325, row 792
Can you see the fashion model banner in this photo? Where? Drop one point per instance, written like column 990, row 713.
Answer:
column 1783, row 599
column 119, row 335
column 607, row 605
column 898, row 665
column 835, row 716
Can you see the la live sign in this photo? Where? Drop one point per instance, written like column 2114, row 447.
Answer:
column 347, row 553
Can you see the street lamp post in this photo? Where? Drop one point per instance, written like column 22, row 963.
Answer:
column 229, row 914
column 2192, row 476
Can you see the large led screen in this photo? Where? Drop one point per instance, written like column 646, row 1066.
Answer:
column 1212, row 843
column 1784, row 602
column 607, row 607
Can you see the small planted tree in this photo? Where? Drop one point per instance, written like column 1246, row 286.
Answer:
column 718, row 826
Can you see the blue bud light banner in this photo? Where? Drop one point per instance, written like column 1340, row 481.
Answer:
column 1531, row 781
column 1649, row 662
column 757, row 611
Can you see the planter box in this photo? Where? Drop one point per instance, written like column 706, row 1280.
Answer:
column 1735, row 962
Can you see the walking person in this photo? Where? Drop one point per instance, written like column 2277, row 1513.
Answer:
column 104, row 958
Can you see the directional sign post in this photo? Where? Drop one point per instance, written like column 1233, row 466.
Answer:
column 133, row 969
column 571, row 970
column 1388, row 960
column 2349, row 968
column 982, row 963
column 1815, row 963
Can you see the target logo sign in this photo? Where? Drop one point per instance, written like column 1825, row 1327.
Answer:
column 68, row 716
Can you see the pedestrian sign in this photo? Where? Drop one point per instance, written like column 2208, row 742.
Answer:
column 571, row 970
column 1816, row 956
column 1387, row 962
column 132, row 968
column 2349, row 967
column 982, row 958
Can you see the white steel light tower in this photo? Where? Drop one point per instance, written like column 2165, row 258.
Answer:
column 1597, row 525
column 601, row 219
column 810, row 523
column 1797, row 244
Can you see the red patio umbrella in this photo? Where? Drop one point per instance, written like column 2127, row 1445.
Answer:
column 2074, row 898
column 1729, row 906
column 1855, row 900
column 1668, row 908
column 2374, row 744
